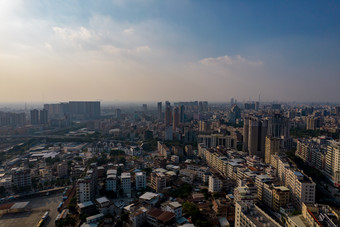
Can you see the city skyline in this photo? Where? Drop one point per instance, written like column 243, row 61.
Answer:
column 130, row 51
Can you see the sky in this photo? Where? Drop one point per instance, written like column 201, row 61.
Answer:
column 177, row 50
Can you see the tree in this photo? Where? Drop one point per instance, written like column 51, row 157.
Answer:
column 72, row 206
column 2, row 190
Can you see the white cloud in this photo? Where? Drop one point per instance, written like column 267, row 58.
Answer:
column 73, row 35
column 129, row 31
column 48, row 46
column 229, row 61
column 142, row 49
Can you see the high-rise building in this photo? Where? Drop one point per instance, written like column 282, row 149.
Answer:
column 337, row 110
column 35, row 117
column 159, row 110
column 255, row 131
column 140, row 181
column 236, row 110
column 278, row 126
column 85, row 189
column 272, row 147
column 182, row 110
column 145, row 107
column 87, row 186
column 77, row 110
column 332, row 165
column 249, row 106
column 111, row 183
column 203, row 106
column 168, row 115
column 175, row 118
column 43, row 117
column 313, row 123
column 126, row 184
column 257, row 106
column 118, row 113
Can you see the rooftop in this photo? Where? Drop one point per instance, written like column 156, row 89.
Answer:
column 148, row 196
column 126, row 175
column 20, row 205
column 102, row 200
column 85, row 204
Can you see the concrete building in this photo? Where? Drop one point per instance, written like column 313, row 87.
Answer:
column 159, row 218
column 214, row 140
column 85, row 189
column 43, row 119
column 35, row 117
column 215, row 184
column 254, row 133
column 252, row 216
column 175, row 118
column 21, row 177
column 159, row 111
column 62, row 169
column 126, row 183
column 272, row 147
column 158, row 181
column 173, row 207
column 138, row 217
column 168, row 115
column 140, row 180
column 111, row 183
column 280, row 197
column 332, row 164
column 245, row 195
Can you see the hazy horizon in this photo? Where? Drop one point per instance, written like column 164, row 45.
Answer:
column 132, row 51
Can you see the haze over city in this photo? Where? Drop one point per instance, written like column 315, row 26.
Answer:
column 169, row 50
column 169, row 113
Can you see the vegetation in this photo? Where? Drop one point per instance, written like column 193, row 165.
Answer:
column 183, row 191
column 205, row 193
column 297, row 132
column 191, row 210
column 50, row 161
column 72, row 206
column 68, row 221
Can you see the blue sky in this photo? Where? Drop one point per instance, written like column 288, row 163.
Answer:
column 169, row 50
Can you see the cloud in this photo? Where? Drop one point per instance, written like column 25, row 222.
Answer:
column 129, row 31
column 229, row 61
column 48, row 46
column 81, row 34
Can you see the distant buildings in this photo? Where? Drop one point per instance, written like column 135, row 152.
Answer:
column 159, row 111
column 35, row 117
column 80, row 110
